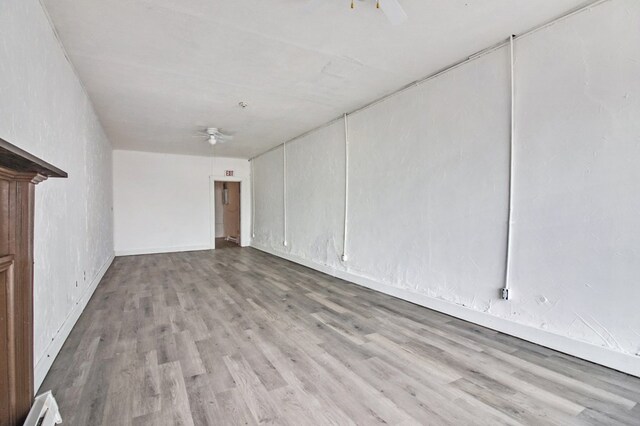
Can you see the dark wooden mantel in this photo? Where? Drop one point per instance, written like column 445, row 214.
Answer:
column 18, row 160
column 19, row 173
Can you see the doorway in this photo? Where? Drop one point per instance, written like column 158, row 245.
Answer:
column 227, row 214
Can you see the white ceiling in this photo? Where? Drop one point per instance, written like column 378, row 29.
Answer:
column 159, row 70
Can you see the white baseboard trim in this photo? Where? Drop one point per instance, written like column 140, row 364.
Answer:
column 135, row 252
column 44, row 363
column 600, row 355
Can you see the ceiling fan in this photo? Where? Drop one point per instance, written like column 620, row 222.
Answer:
column 391, row 8
column 215, row 136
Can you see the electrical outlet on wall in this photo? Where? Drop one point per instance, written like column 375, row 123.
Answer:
column 505, row 294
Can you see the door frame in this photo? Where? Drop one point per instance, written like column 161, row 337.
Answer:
column 245, row 203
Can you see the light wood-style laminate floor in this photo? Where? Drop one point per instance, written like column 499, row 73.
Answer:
column 237, row 336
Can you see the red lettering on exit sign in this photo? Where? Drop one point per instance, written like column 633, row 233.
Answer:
column 228, row 172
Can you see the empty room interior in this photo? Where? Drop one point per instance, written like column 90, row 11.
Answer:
column 319, row 212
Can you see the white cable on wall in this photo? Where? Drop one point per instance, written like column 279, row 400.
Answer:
column 284, row 192
column 346, row 187
column 507, row 273
column 253, row 201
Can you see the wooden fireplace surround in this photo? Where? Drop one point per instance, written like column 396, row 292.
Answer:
column 20, row 172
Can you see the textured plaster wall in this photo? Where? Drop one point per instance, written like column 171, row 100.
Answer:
column 313, row 217
column 427, row 193
column 428, row 184
column 577, row 194
column 44, row 110
column 315, row 196
column 269, row 199
column 164, row 202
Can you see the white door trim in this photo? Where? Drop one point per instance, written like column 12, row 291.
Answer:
column 245, row 202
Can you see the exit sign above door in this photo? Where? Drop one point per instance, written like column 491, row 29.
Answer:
column 228, row 172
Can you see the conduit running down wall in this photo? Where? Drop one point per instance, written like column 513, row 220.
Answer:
column 345, row 257
column 506, row 293
column 428, row 189
column 253, row 203
column 284, row 191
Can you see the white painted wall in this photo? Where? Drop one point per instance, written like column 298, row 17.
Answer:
column 428, row 182
column 577, row 235
column 313, row 218
column 269, row 199
column 164, row 202
column 44, row 110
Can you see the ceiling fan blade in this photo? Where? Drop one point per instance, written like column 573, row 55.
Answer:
column 219, row 132
column 395, row 13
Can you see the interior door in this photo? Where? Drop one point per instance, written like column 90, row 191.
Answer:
column 231, row 211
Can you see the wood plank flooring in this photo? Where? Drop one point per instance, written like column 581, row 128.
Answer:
column 237, row 336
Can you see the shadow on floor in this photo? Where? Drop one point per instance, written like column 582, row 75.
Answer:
column 222, row 243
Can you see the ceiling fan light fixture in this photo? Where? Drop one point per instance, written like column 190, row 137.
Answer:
column 215, row 136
